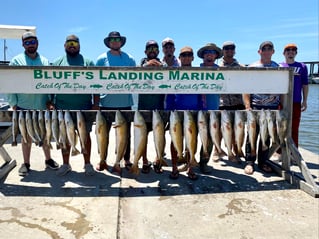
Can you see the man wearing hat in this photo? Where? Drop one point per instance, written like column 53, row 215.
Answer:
column 257, row 102
column 230, row 101
column 116, row 57
column 210, row 53
column 168, row 47
column 183, row 102
column 150, row 101
column 73, row 57
column 301, row 88
column 30, row 57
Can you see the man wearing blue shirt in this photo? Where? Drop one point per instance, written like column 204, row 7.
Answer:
column 116, row 57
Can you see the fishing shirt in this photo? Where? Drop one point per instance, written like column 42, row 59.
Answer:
column 150, row 101
column 264, row 101
column 28, row 101
column 211, row 100
column 230, row 99
column 116, row 100
column 73, row 101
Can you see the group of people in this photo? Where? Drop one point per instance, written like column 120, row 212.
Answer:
column 115, row 57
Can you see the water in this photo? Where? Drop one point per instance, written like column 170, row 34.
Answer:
column 309, row 125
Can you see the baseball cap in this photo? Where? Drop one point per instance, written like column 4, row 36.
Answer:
column 72, row 38
column 291, row 45
column 266, row 43
column 186, row 49
column 228, row 43
column 28, row 34
column 151, row 43
column 167, row 40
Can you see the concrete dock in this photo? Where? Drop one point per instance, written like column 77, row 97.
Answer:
column 225, row 204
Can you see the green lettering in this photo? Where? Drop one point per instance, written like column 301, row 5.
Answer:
column 122, row 75
column 184, row 76
column 195, row 76
column 112, row 76
column 173, row 75
column 159, row 76
column 57, row 74
column 101, row 75
column 132, row 76
column 37, row 74
column 220, row 76
column 89, row 75
column 210, row 76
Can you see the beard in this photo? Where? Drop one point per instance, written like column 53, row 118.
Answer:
column 72, row 53
column 31, row 50
column 116, row 48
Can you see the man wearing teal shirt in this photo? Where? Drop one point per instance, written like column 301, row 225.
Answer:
column 116, row 57
column 30, row 57
column 75, row 102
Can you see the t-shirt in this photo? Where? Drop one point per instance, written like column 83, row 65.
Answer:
column 116, row 100
column 73, row 101
column 28, row 101
column 300, row 78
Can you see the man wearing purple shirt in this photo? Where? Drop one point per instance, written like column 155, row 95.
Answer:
column 300, row 94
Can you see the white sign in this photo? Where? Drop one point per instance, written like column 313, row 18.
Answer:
column 116, row 80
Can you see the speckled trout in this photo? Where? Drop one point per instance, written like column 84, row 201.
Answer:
column 55, row 128
column 251, row 128
column 215, row 132
column 239, row 131
column 15, row 128
column 30, row 129
column 62, row 130
column 263, row 129
column 23, row 127
column 71, row 133
column 227, row 132
column 48, row 128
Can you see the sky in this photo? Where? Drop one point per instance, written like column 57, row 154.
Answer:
column 188, row 23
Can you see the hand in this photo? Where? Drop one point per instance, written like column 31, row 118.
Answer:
column 303, row 106
column 154, row 62
column 95, row 107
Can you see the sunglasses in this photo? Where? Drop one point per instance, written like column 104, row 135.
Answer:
column 152, row 49
column 72, row 43
column 266, row 49
column 187, row 54
column 115, row 39
column 290, row 49
column 209, row 52
column 229, row 48
column 31, row 42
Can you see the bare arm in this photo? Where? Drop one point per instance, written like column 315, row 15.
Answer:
column 246, row 99
column 305, row 90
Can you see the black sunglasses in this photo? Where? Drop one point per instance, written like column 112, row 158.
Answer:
column 187, row 54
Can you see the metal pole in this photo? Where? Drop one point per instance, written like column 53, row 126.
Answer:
column 4, row 50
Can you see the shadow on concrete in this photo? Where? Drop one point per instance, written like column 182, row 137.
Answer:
column 76, row 184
